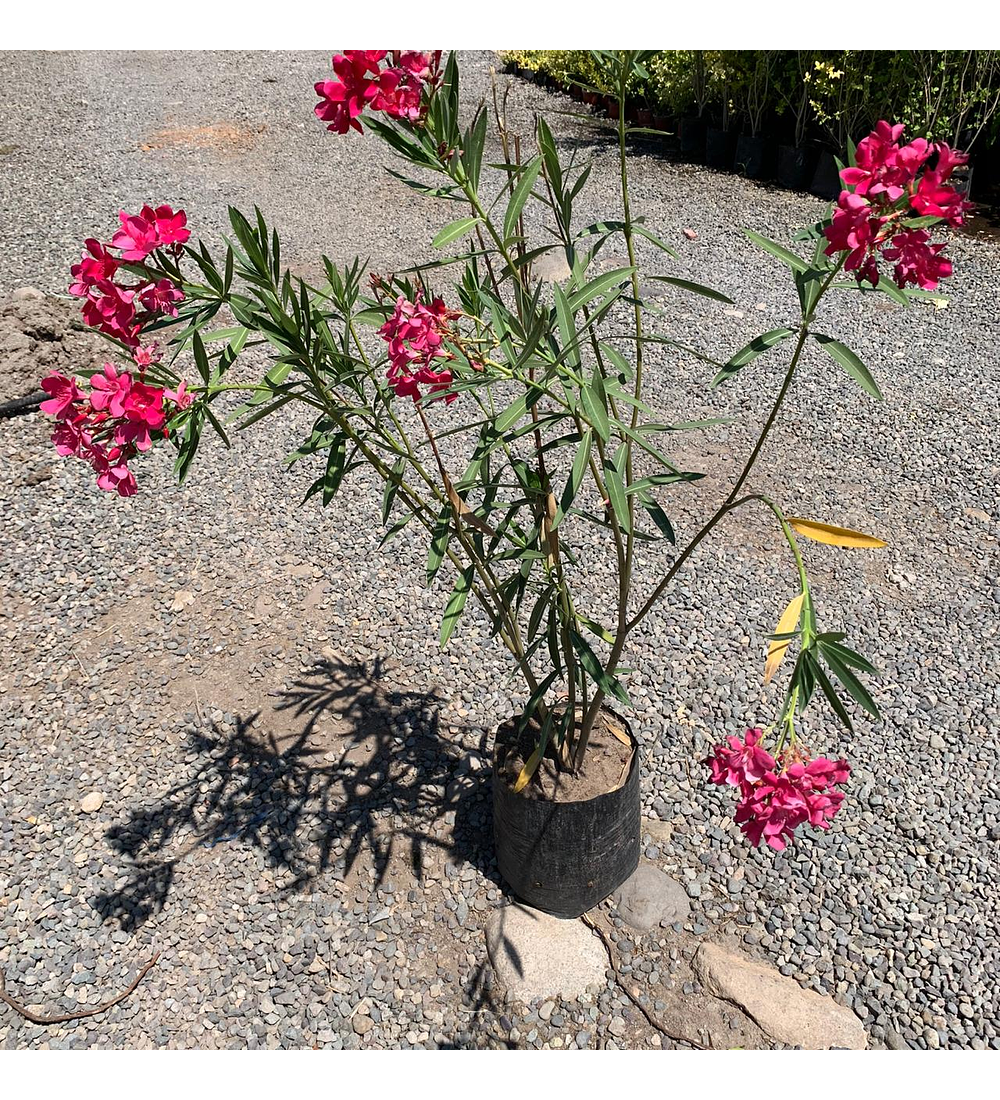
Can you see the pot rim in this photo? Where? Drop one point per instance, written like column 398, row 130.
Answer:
column 633, row 764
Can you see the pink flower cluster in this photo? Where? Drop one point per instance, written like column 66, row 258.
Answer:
column 113, row 423
column 774, row 799
column 361, row 82
column 110, row 304
column 415, row 334
column 889, row 182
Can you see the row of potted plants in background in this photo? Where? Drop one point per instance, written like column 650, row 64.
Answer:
column 787, row 114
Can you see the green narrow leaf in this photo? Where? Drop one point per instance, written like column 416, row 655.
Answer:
column 575, row 478
column 596, row 287
column 391, row 488
column 832, row 697
column 594, row 405
column 654, row 239
column 658, row 516
column 440, row 537
column 595, row 670
column 453, row 231
column 843, row 355
column 520, row 196
column 695, row 288
column 334, row 468
column 847, row 655
column 853, row 685
column 567, row 327
column 796, row 263
column 616, row 491
column 757, row 346
column 511, row 415
column 456, row 603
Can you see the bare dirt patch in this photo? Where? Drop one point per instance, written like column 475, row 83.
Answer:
column 224, row 136
column 40, row 334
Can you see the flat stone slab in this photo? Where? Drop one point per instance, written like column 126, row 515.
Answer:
column 779, row 1005
column 551, row 267
column 536, row 956
column 648, row 897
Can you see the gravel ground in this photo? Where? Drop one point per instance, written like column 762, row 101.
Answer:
column 293, row 775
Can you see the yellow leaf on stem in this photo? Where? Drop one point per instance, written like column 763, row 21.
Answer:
column 831, row 535
column 529, row 769
column 786, row 624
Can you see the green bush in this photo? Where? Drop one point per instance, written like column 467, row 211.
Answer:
column 944, row 95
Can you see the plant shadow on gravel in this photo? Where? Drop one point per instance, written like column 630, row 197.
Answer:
column 313, row 801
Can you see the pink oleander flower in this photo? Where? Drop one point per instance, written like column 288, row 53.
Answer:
column 415, row 334
column 143, row 414
column 148, row 230
column 63, row 396
column 113, row 475
column 96, row 264
column 916, row 260
column 888, row 181
column 772, row 808
column 109, row 307
column 161, row 297
column 418, row 65
column 398, row 95
column 855, row 229
column 742, row 763
column 180, row 397
column 71, row 438
column 171, row 225
column 343, row 100
column 396, row 89
column 145, row 356
column 137, row 236
column 109, row 390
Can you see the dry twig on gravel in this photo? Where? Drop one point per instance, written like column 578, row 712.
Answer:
column 29, row 1015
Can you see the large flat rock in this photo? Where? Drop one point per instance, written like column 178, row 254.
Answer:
column 779, row 1005
column 536, row 956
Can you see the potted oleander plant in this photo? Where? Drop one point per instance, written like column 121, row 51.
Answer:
column 507, row 421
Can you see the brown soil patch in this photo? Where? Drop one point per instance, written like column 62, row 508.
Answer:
column 220, row 135
column 604, row 769
column 40, row 334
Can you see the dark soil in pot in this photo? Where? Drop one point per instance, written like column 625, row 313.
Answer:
column 720, row 145
column 566, row 842
column 796, row 164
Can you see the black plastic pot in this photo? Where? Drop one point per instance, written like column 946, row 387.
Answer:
column 692, row 135
column 826, row 179
column 796, row 164
column 720, row 145
column 754, row 157
column 566, row 857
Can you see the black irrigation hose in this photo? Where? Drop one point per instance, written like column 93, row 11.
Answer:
column 23, row 405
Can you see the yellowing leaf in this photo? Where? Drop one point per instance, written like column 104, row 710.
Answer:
column 529, row 769
column 786, row 624
column 833, row 536
column 618, row 732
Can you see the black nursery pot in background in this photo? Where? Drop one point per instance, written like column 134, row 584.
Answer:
column 692, row 135
column 796, row 164
column 566, row 857
column 826, row 179
column 754, row 157
column 720, row 146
